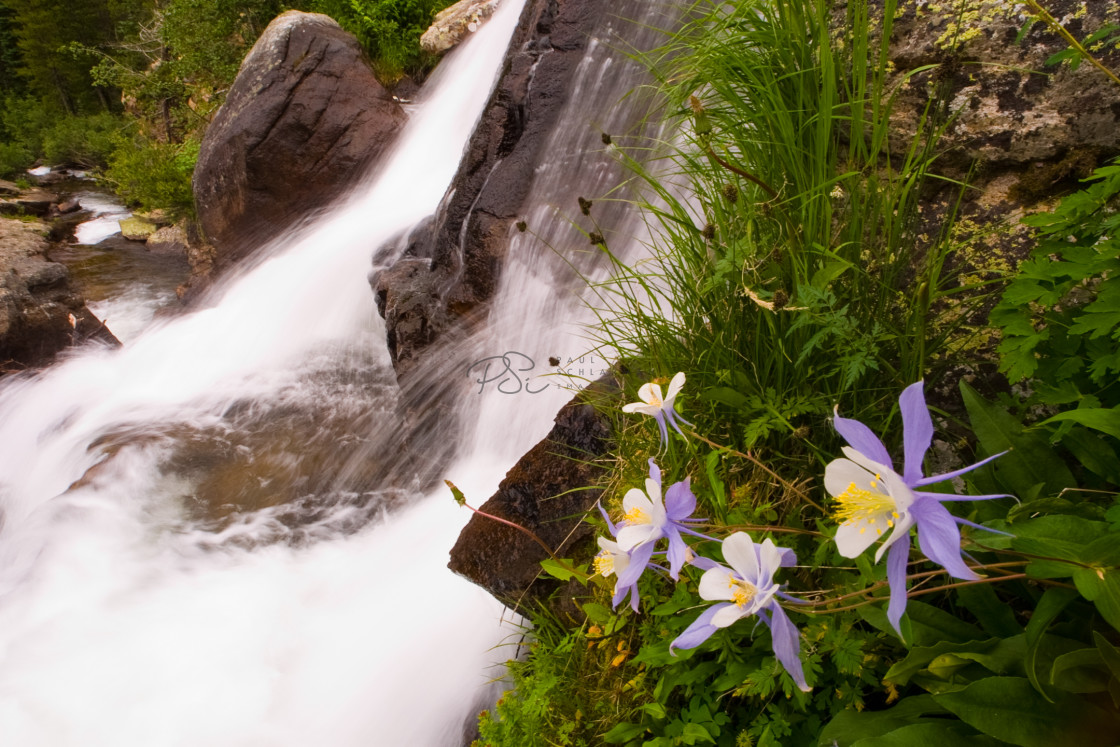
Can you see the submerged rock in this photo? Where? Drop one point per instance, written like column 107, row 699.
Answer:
column 40, row 313
column 301, row 124
column 545, row 493
column 452, row 24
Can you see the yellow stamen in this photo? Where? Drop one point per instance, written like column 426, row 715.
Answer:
column 636, row 516
column 743, row 592
column 604, row 563
column 857, row 504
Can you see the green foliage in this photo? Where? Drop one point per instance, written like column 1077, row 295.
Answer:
column 1060, row 316
column 389, row 30
column 155, row 175
column 798, row 269
column 786, row 282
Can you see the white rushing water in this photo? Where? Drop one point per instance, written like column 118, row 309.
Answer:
column 154, row 592
column 106, row 214
column 123, row 624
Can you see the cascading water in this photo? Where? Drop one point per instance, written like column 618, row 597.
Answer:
column 180, row 563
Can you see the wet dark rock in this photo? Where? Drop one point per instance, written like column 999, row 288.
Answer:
column 301, row 124
column 541, row 493
column 471, row 232
column 40, row 313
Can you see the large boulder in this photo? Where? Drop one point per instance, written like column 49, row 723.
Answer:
column 544, row 494
column 40, row 313
column 301, row 124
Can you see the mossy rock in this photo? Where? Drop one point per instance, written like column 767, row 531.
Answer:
column 137, row 229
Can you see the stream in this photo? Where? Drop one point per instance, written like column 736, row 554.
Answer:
column 207, row 536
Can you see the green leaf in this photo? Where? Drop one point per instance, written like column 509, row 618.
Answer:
column 931, row 734
column 561, row 569
column 1053, row 601
column 597, row 613
column 1080, row 671
column 1110, row 655
column 624, row 732
column 1102, row 588
column 1009, row 708
column 996, row 617
column 850, row 726
column 727, row 396
column 1098, row 418
column 1030, row 460
column 931, row 625
column 695, row 734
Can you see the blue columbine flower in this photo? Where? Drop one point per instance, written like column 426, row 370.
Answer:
column 873, row 499
column 660, row 408
column 613, row 560
column 647, row 520
column 749, row 589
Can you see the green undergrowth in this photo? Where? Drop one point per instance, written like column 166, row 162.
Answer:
column 794, row 273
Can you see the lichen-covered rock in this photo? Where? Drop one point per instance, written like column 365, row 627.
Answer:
column 455, row 22
column 1009, row 108
column 137, row 229
column 302, row 123
column 541, row 493
column 40, row 314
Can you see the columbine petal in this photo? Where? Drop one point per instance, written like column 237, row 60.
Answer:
column 651, row 394
column 896, row 580
column 786, row 641
column 675, row 386
column 636, row 535
column 678, row 552
column 852, row 539
column 932, row 479
column 699, row 631
column 654, row 472
column 728, row 615
column 715, row 584
column 940, row 538
column 901, row 529
column 643, row 408
column 639, row 557
column 917, row 431
column 740, row 553
column 861, row 438
column 840, row 473
column 679, row 500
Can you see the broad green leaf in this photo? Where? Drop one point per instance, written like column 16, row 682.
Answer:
column 1030, row 460
column 597, row 613
column 623, row 733
column 931, row 625
column 561, row 569
column 1053, row 601
column 1098, row 418
column 1008, row 708
column 1080, row 671
column 727, row 396
column 1110, row 655
column 1102, row 588
column 850, row 726
column 931, row 734
column 995, row 616
column 696, row 734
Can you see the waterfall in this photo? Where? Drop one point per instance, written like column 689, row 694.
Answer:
column 181, row 562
